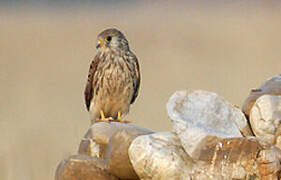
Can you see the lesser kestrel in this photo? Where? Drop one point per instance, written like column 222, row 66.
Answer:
column 114, row 78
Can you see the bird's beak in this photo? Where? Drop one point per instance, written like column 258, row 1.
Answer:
column 99, row 44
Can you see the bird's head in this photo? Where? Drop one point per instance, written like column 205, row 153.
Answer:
column 112, row 39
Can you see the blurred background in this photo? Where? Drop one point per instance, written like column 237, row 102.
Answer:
column 46, row 47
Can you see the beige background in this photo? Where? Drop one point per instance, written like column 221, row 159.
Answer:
column 227, row 47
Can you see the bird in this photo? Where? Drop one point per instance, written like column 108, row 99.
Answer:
column 113, row 80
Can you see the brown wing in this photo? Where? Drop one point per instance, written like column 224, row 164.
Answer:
column 137, row 78
column 88, row 93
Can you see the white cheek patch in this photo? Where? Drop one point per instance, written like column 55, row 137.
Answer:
column 114, row 42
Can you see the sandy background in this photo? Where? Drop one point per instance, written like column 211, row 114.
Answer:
column 46, row 48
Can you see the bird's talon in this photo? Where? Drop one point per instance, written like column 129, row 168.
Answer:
column 123, row 121
column 108, row 120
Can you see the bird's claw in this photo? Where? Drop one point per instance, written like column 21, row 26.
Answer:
column 123, row 121
column 108, row 120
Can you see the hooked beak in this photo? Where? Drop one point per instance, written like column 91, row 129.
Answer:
column 99, row 44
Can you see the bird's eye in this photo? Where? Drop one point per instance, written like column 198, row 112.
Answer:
column 108, row 38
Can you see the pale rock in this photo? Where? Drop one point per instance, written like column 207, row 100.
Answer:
column 198, row 114
column 236, row 158
column 269, row 163
column 242, row 123
column 91, row 148
column 110, row 142
column 265, row 119
column 117, row 156
column 142, row 154
column 160, row 156
column 271, row 86
column 83, row 167
column 96, row 140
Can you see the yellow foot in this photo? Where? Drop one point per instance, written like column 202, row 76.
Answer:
column 120, row 120
column 109, row 119
column 123, row 121
column 103, row 119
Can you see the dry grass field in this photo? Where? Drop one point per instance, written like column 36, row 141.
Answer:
column 226, row 47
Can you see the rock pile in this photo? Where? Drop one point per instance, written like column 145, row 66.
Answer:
column 210, row 139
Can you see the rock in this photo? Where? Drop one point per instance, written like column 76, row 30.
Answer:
column 91, row 148
column 265, row 119
column 236, row 158
column 198, row 114
column 271, row 86
column 269, row 163
column 242, row 123
column 110, row 141
column 117, row 156
column 98, row 136
column 83, row 167
column 160, row 156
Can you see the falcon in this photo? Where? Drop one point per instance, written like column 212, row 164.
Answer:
column 113, row 79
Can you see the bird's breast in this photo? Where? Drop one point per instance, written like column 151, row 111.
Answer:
column 114, row 78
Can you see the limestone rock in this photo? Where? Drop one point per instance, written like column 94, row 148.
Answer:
column 269, row 163
column 117, row 156
column 271, row 86
column 242, row 123
column 110, row 142
column 83, row 167
column 236, row 158
column 160, row 156
column 265, row 119
column 91, row 148
column 198, row 114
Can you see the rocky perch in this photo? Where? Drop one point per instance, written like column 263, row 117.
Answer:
column 210, row 139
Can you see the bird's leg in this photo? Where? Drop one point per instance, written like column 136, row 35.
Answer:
column 103, row 119
column 119, row 118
